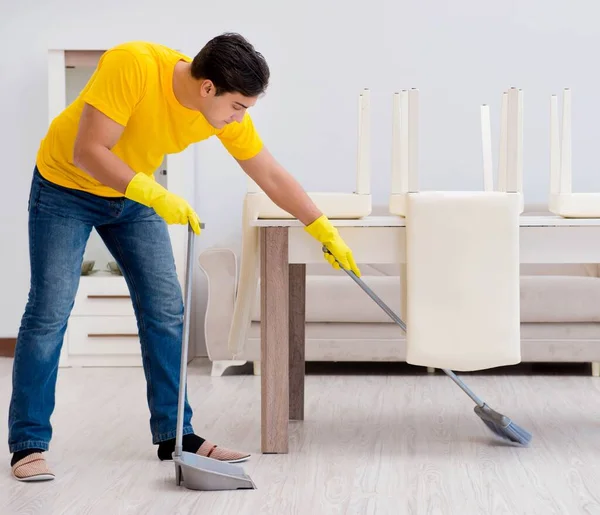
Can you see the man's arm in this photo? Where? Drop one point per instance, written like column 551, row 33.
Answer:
column 285, row 191
column 96, row 137
column 109, row 101
column 280, row 186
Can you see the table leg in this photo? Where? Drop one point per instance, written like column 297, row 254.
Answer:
column 297, row 292
column 274, row 327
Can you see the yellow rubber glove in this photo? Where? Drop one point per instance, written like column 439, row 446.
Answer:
column 323, row 231
column 172, row 208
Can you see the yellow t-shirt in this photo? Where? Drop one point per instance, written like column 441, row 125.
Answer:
column 133, row 85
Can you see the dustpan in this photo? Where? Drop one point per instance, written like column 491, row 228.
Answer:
column 200, row 473
column 194, row 471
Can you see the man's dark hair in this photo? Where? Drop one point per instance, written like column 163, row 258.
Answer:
column 233, row 66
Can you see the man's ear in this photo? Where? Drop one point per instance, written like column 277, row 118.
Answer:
column 207, row 88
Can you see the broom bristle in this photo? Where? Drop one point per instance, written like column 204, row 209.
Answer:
column 503, row 426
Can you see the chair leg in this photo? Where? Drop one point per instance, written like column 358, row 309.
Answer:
column 257, row 368
column 596, row 369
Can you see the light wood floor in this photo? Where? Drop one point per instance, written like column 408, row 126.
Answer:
column 374, row 442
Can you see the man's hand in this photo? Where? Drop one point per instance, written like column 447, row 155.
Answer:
column 287, row 194
column 339, row 253
column 172, row 208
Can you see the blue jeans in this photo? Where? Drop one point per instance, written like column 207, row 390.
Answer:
column 60, row 223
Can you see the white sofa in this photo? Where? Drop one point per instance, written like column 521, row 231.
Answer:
column 560, row 314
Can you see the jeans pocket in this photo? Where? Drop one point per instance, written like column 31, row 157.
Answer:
column 55, row 200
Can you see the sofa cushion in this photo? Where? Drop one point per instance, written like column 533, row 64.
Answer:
column 560, row 298
column 554, row 298
column 337, row 298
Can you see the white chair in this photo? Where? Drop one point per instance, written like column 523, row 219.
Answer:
column 258, row 205
column 461, row 280
column 562, row 200
column 405, row 147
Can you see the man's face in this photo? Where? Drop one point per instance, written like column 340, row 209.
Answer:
column 226, row 108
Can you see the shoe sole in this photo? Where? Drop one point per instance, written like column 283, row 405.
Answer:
column 239, row 460
column 36, row 478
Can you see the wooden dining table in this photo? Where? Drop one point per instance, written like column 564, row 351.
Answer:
column 285, row 250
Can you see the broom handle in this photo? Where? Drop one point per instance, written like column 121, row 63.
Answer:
column 399, row 321
column 187, row 306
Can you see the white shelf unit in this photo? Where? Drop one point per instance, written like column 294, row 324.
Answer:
column 102, row 329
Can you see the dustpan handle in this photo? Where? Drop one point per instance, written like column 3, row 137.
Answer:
column 185, row 340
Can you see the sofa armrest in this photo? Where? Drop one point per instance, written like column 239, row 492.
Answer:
column 220, row 268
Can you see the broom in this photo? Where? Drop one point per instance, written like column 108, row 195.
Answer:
column 499, row 424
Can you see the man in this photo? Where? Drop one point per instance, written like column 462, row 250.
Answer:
column 94, row 169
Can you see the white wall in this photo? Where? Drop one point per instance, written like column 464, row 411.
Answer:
column 458, row 54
